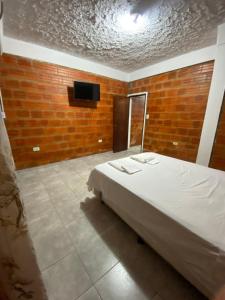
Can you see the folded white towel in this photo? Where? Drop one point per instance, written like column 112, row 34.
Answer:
column 155, row 161
column 125, row 165
column 143, row 157
column 116, row 165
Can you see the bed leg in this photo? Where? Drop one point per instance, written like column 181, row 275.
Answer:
column 140, row 240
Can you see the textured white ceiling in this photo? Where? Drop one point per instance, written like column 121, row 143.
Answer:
column 90, row 28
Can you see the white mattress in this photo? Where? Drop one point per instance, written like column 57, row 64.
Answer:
column 178, row 208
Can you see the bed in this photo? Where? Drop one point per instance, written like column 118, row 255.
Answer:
column 178, row 208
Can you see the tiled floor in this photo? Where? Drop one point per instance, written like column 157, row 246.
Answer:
column 84, row 250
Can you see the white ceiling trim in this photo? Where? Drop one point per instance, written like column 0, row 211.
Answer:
column 178, row 62
column 32, row 51
column 214, row 103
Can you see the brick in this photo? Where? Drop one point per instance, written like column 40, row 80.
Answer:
column 177, row 103
column 23, row 113
column 36, row 114
column 24, row 62
column 39, row 113
column 9, row 59
column 7, row 93
column 18, row 94
column 11, row 83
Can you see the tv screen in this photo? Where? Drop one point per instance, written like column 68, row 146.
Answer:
column 86, row 91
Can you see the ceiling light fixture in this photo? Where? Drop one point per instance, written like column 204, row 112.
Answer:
column 132, row 22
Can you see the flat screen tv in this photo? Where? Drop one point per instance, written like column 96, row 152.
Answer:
column 86, row 91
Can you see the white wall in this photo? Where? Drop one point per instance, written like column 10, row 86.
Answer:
column 20, row 48
column 32, row 51
column 182, row 61
column 215, row 101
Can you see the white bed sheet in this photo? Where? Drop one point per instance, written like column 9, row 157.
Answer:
column 178, row 208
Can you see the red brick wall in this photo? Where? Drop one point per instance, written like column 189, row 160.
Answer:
column 137, row 118
column 218, row 154
column 176, row 106
column 36, row 98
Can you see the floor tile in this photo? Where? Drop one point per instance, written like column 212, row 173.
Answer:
column 121, row 239
column 81, row 191
column 68, row 211
column 45, row 223
column 93, row 220
column 176, row 288
column 85, row 173
column 36, row 209
column 97, row 258
column 81, row 232
column 28, row 175
column 67, row 197
column 71, row 178
column 27, row 188
column 51, row 181
column 52, row 245
column 99, row 215
column 143, row 263
column 55, row 187
column 34, row 195
column 67, row 280
column 91, row 294
column 157, row 297
column 118, row 284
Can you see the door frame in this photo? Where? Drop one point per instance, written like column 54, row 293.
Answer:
column 144, row 119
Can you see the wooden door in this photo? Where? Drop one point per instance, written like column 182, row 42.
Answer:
column 120, row 123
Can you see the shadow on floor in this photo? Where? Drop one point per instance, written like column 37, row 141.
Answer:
column 144, row 265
